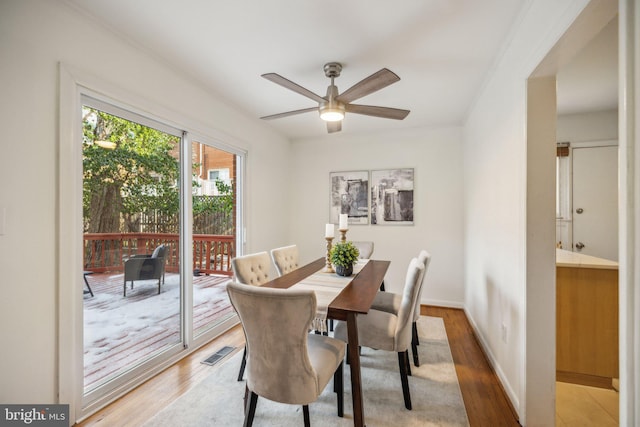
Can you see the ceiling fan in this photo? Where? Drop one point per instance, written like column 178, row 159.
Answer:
column 333, row 106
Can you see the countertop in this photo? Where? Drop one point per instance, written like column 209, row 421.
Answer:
column 566, row 258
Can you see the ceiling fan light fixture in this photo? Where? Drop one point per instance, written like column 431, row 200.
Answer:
column 332, row 113
column 333, row 105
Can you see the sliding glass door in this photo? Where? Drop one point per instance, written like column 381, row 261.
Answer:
column 131, row 227
column 215, row 213
column 160, row 220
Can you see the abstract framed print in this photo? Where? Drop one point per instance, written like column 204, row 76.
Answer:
column 350, row 195
column 392, row 197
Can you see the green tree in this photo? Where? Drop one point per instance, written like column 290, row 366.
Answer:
column 138, row 172
column 221, row 206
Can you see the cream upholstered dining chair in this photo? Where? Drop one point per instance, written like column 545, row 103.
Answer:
column 252, row 269
column 391, row 332
column 286, row 364
column 365, row 250
column 390, row 302
column 285, row 259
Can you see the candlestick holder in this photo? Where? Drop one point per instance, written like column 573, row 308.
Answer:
column 343, row 234
column 329, row 267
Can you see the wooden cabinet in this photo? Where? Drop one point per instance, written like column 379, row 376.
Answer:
column 586, row 320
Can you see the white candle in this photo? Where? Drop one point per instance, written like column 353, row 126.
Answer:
column 328, row 232
column 344, row 221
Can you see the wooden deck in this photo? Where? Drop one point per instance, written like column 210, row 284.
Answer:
column 115, row 342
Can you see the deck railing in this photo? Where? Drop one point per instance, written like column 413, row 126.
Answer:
column 107, row 251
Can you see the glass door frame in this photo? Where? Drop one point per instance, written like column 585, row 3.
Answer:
column 73, row 85
column 133, row 372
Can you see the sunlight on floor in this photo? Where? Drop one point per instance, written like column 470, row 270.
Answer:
column 578, row 405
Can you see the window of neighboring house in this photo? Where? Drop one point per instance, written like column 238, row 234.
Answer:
column 221, row 174
column 214, row 175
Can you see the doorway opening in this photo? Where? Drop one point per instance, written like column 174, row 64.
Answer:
column 569, row 59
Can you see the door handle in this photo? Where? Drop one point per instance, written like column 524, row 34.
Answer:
column 579, row 210
column 579, row 246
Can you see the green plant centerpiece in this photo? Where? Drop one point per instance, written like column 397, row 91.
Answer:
column 343, row 255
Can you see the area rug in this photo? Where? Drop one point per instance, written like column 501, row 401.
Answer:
column 435, row 394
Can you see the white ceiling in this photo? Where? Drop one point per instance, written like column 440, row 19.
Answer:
column 590, row 81
column 441, row 49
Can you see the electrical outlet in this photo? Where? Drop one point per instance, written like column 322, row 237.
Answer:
column 504, row 333
column 3, row 220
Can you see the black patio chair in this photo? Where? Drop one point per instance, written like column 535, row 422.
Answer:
column 145, row 267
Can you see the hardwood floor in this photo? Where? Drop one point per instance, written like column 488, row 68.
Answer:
column 482, row 393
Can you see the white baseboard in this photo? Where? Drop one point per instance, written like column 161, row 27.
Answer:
column 442, row 303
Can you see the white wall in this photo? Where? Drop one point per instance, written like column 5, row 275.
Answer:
column 595, row 126
column 436, row 158
column 510, row 314
column 36, row 35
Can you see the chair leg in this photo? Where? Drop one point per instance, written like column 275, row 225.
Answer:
column 338, row 387
column 158, row 286
column 382, row 286
column 402, row 363
column 414, row 346
column 406, row 360
column 125, row 288
column 250, row 411
column 415, row 333
column 243, row 364
column 245, row 398
column 305, row 412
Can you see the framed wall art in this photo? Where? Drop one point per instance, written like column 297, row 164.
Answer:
column 350, row 195
column 392, row 197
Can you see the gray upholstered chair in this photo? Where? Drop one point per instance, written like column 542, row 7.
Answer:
column 391, row 332
column 145, row 267
column 252, row 269
column 286, row 364
column 285, row 259
column 390, row 302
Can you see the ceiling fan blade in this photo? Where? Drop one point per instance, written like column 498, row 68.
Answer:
column 289, row 113
column 334, row 126
column 384, row 112
column 286, row 83
column 374, row 82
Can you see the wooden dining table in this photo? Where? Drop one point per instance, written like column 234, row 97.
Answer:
column 354, row 299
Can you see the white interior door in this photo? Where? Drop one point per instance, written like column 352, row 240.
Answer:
column 595, row 201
